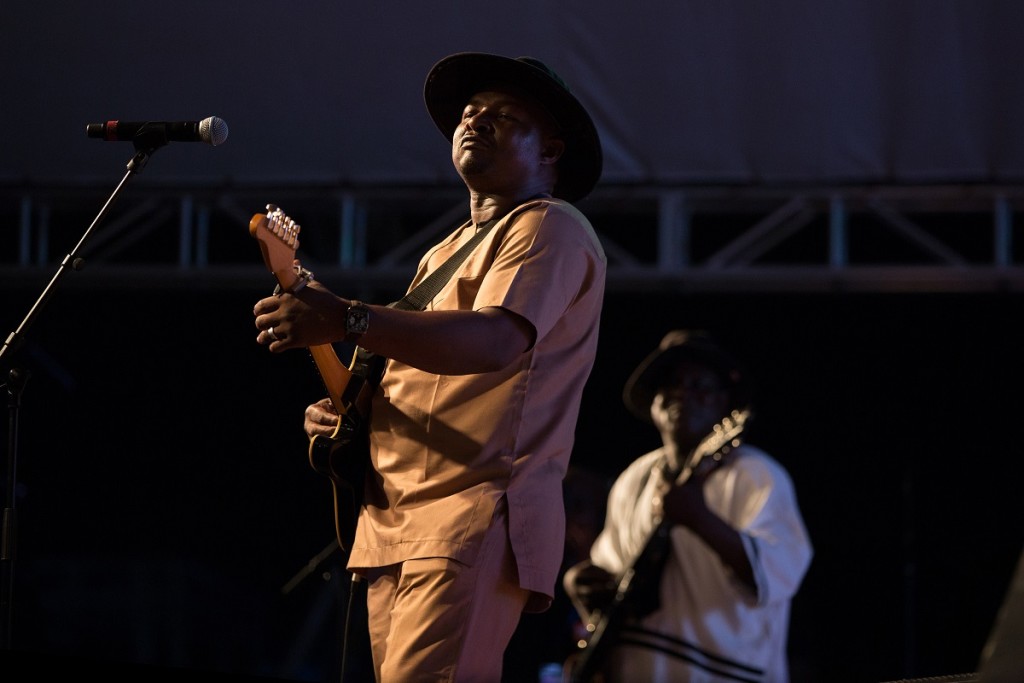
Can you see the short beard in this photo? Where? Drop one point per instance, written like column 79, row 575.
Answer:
column 470, row 165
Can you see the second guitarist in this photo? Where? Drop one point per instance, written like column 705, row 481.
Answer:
column 716, row 607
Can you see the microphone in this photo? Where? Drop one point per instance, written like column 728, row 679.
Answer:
column 211, row 130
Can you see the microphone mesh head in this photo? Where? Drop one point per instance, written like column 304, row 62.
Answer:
column 213, row 130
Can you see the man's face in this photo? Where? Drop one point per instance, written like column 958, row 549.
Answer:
column 690, row 402
column 504, row 141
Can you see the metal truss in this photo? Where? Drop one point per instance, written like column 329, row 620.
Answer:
column 883, row 238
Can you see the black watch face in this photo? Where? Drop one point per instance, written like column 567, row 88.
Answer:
column 358, row 320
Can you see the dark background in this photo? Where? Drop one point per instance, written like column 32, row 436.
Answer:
column 165, row 498
column 163, row 494
column 326, row 91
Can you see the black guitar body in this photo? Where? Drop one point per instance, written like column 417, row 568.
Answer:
column 345, row 461
column 637, row 595
column 345, row 455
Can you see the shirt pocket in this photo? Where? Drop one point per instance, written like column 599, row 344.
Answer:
column 463, row 295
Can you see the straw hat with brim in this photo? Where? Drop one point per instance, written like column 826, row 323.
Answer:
column 456, row 78
column 676, row 346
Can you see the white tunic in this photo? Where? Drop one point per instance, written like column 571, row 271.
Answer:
column 710, row 627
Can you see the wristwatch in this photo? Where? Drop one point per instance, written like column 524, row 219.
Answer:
column 357, row 320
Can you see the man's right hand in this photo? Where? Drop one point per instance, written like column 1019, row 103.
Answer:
column 589, row 586
column 321, row 418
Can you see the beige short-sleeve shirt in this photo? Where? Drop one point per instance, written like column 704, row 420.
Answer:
column 446, row 448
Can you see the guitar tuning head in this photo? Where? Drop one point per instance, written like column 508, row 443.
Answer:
column 272, row 208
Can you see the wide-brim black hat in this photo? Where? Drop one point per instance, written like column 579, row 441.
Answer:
column 678, row 345
column 456, row 78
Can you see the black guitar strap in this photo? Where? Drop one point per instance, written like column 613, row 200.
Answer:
column 420, row 296
column 370, row 367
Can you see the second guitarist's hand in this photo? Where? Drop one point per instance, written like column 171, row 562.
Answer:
column 591, row 588
column 320, row 419
column 685, row 505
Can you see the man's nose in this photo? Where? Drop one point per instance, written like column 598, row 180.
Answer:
column 479, row 121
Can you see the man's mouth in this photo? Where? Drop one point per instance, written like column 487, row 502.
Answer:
column 472, row 141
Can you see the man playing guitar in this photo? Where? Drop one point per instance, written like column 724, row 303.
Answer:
column 703, row 545
column 461, row 525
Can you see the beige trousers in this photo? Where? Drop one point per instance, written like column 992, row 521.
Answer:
column 436, row 620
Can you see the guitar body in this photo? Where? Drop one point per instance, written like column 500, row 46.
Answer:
column 637, row 591
column 344, row 459
column 344, row 456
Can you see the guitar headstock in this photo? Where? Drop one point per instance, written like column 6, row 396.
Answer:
column 278, row 237
column 723, row 437
column 731, row 426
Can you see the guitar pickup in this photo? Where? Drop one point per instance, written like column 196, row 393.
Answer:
column 346, row 429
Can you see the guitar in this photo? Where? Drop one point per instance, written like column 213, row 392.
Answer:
column 344, row 455
column 636, row 592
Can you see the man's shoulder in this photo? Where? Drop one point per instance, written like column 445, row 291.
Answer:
column 641, row 467
column 557, row 220
column 553, row 207
column 760, row 464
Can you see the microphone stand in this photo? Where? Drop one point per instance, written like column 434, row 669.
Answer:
column 148, row 140
column 347, row 634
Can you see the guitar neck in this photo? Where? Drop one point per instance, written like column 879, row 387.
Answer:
column 334, row 374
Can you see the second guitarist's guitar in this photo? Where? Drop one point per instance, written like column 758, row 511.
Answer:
column 344, row 455
column 637, row 587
